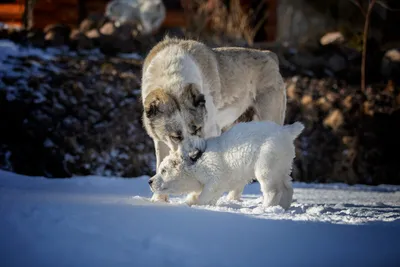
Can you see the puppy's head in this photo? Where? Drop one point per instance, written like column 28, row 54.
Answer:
column 172, row 177
column 174, row 119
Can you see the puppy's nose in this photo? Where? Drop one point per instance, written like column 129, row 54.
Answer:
column 150, row 182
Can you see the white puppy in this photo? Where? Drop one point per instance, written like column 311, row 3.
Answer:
column 261, row 150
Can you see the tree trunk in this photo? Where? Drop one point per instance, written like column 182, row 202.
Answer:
column 28, row 14
column 365, row 37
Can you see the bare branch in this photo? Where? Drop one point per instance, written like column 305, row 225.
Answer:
column 358, row 4
column 385, row 6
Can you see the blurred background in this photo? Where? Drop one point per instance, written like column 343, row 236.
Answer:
column 70, row 80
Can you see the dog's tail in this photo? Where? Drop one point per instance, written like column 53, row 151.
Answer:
column 294, row 129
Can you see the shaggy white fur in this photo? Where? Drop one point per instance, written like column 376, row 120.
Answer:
column 261, row 150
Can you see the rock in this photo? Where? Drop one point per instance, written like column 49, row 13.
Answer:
column 306, row 61
column 346, row 139
column 126, row 31
column 109, row 45
column 108, row 29
column 57, row 34
column 36, row 38
column 393, row 55
column 334, row 119
column 348, row 102
column 16, row 35
column 112, row 45
column 390, row 66
column 118, row 39
column 3, row 33
column 80, row 41
column 93, row 34
column 149, row 14
column 86, row 122
column 292, row 92
column 127, row 46
column 173, row 32
column 74, row 34
column 324, row 104
column 337, row 63
column 332, row 38
column 93, row 21
column 307, row 101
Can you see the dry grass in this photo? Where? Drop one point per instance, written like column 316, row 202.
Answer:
column 214, row 18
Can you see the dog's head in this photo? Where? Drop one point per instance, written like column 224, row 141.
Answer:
column 173, row 176
column 175, row 119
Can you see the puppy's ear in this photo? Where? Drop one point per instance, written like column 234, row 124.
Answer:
column 192, row 94
column 158, row 102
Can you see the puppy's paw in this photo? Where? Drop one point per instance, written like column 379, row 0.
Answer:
column 234, row 196
column 159, row 198
column 192, row 199
column 189, row 203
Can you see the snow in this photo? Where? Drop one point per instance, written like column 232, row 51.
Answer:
column 9, row 48
column 98, row 221
column 130, row 56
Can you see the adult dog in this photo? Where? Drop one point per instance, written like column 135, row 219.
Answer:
column 189, row 89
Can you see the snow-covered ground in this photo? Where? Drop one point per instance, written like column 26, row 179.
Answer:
column 95, row 221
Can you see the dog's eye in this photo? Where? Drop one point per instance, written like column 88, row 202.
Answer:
column 196, row 130
column 177, row 137
column 163, row 171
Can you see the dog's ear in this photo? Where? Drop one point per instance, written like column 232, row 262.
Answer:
column 195, row 155
column 158, row 102
column 192, row 94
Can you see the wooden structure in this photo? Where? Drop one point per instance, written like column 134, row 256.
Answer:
column 71, row 12
column 11, row 12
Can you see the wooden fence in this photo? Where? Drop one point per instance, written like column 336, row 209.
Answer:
column 71, row 12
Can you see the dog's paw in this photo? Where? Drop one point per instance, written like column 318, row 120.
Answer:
column 159, row 198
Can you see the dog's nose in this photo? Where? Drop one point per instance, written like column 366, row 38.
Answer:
column 150, row 182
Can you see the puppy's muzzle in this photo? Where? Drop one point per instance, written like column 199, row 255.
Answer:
column 150, row 182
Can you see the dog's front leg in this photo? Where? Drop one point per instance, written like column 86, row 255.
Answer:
column 162, row 150
column 211, row 127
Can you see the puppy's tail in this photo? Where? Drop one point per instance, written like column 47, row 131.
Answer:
column 294, row 129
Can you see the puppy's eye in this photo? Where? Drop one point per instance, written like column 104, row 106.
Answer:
column 177, row 137
column 163, row 171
